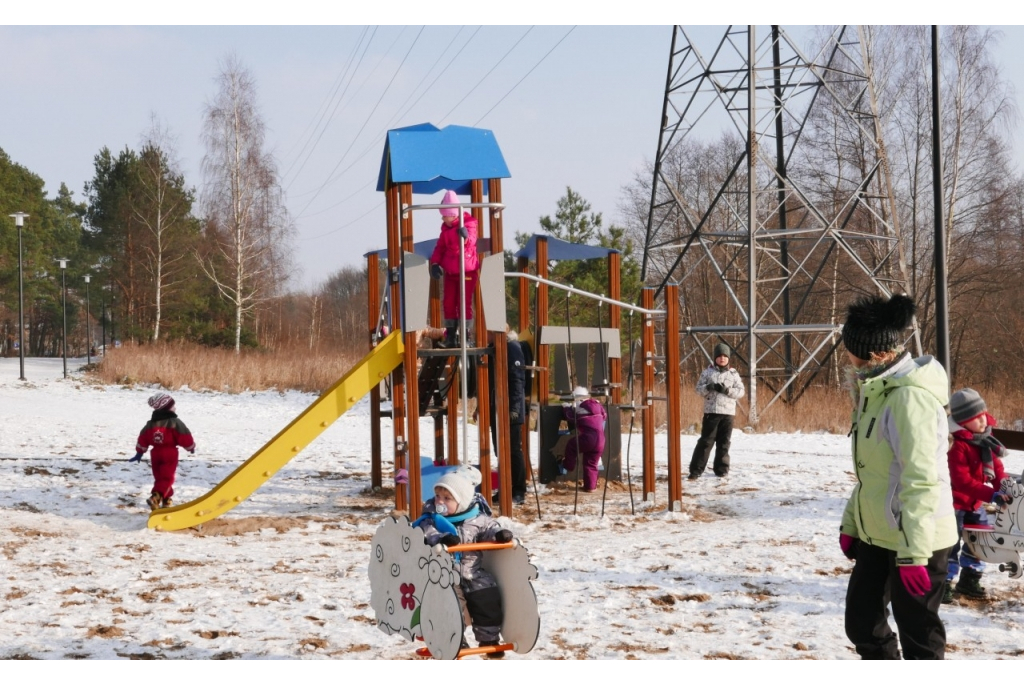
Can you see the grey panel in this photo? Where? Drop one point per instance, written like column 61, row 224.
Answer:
column 559, row 335
column 492, row 291
column 416, row 281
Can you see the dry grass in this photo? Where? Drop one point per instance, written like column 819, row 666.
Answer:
column 202, row 368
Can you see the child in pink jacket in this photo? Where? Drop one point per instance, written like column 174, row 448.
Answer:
column 444, row 261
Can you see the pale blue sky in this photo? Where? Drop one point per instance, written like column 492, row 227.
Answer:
column 586, row 116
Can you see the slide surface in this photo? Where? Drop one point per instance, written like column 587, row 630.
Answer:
column 244, row 480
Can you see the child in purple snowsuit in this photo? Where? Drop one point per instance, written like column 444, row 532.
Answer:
column 587, row 416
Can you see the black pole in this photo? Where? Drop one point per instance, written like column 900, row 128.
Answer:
column 941, row 292
column 103, row 323
column 21, row 311
column 780, row 165
column 64, row 306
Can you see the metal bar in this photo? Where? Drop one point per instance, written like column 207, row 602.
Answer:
column 577, row 291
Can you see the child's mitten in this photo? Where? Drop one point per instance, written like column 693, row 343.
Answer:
column 137, row 457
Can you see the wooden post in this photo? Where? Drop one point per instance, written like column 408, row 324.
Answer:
column 373, row 310
column 483, row 400
column 647, row 390
column 615, row 321
column 394, row 210
column 675, row 473
column 412, row 377
column 524, row 324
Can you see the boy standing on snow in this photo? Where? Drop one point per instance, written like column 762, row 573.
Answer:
column 458, row 515
column 164, row 432
column 975, row 472
column 720, row 386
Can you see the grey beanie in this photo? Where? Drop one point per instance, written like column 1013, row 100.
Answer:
column 720, row 350
column 875, row 324
column 460, row 487
column 965, row 405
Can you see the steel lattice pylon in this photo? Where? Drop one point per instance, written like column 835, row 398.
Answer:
column 769, row 247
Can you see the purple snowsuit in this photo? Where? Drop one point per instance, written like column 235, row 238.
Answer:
column 588, row 418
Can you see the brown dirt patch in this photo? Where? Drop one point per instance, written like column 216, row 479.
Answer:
column 253, row 524
column 105, row 631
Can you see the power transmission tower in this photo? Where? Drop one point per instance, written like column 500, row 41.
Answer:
column 770, row 201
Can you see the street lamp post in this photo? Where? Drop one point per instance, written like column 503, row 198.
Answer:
column 88, row 331
column 19, row 221
column 64, row 305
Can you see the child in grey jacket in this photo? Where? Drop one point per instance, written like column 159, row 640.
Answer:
column 720, row 386
column 458, row 515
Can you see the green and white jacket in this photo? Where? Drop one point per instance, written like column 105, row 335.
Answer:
column 903, row 500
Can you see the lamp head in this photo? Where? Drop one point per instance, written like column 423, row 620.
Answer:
column 19, row 218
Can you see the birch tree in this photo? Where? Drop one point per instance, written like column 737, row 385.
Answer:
column 247, row 223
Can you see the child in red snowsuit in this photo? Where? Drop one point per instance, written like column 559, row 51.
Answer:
column 975, row 472
column 444, row 261
column 587, row 416
column 164, row 432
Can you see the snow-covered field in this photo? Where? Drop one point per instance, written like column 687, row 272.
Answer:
column 750, row 569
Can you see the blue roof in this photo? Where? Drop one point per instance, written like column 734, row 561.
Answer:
column 434, row 159
column 561, row 250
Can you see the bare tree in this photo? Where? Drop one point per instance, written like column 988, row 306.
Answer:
column 162, row 204
column 247, row 223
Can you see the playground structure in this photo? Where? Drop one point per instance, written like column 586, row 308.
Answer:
column 420, row 159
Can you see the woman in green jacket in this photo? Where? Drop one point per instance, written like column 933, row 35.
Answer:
column 899, row 523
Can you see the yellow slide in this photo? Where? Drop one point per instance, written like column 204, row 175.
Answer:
column 244, row 480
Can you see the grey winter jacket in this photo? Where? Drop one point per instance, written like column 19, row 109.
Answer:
column 717, row 402
column 481, row 528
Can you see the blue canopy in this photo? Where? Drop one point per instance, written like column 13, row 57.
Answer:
column 434, row 159
column 561, row 250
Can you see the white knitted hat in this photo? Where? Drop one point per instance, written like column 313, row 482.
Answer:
column 460, row 487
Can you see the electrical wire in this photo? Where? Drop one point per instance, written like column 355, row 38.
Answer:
column 524, row 76
column 473, row 89
column 365, row 122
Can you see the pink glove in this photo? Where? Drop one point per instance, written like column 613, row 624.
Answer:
column 848, row 544
column 915, row 579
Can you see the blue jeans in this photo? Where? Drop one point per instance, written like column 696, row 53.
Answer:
column 958, row 555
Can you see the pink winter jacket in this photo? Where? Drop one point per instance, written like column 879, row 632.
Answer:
column 446, row 252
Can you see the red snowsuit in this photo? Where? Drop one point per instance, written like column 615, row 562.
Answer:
column 966, row 474
column 164, row 432
column 589, row 420
column 446, row 253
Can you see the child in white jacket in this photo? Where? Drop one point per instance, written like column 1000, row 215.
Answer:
column 720, row 386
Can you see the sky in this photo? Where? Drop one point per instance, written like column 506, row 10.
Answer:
column 748, row 569
column 570, row 105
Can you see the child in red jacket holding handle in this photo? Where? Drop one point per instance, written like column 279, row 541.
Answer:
column 164, row 432
column 975, row 472
column 444, row 261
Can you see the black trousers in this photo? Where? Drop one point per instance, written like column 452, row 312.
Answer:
column 716, row 429
column 517, row 463
column 874, row 584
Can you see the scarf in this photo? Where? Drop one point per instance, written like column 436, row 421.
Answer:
column 988, row 445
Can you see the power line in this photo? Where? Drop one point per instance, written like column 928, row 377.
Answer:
column 322, row 110
column 365, row 122
column 473, row 89
column 524, row 77
column 361, row 216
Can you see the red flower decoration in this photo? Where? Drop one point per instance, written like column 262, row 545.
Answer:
column 408, row 601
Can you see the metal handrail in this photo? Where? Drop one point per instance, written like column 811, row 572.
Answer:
column 584, row 293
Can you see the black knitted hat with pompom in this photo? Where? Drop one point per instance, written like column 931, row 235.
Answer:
column 876, row 324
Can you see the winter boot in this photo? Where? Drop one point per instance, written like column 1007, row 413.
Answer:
column 155, row 501
column 450, row 339
column 168, row 503
column 970, row 585
column 947, row 593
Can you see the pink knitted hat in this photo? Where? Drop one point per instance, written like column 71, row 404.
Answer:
column 450, row 198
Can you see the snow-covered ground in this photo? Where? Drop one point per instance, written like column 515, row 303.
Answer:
column 750, row 569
